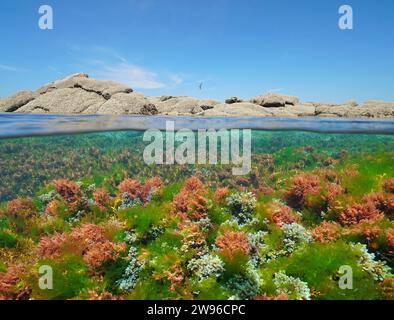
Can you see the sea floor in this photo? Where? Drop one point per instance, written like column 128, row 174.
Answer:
column 84, row 217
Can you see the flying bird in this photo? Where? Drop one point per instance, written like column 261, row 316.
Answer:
column 200, row 86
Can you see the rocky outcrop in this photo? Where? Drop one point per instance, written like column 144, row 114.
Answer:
column 16, row 101
column 370, row 109
column 79, row 94
column 274, row 100
column 233, row 100
column 122, row 103
column 240, row 109
column 183, row 105
column 73, row 100
column 104, row 88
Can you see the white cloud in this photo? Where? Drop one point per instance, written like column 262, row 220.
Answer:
column 109, row 64
column 12, row 69
column 176, row 79
column 276, row 90
column 109, row 52
column 134, row 76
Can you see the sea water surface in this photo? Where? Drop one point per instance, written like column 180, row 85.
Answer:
column 16, row 125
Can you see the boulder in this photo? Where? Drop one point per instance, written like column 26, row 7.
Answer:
column 16, row 101
column 333, row 111
column 102, row 87
column 373, row 109
column 370, row 109
column 149, row 110
column 124, row 103
column 184, row 105
column 233, row 100
column 197, row 110
column 298, row 110
column 275, row 100
column 240, row 109
column 63, row 101
column 352, row 103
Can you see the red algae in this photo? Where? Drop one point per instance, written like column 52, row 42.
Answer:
column 303, row 185
column 191, row 202
column 88, row 240
column 102, row 199
column 70, row 192
column 231, row 244
column 327, row 232
column 356, row 213
column 21, row 207
column 131, row 187
column 282, row 215
column 8, row 281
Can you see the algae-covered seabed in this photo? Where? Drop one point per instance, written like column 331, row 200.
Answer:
column 313, row 216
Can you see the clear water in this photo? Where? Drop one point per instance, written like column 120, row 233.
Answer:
column 329, row 181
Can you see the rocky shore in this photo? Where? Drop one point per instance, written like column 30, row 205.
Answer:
column 79, row 94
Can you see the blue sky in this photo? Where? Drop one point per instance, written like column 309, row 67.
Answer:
column 235, row 47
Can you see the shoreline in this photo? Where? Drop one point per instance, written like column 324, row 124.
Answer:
column 79, row 94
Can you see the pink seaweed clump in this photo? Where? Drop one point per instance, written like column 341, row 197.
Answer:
column 303, row 185
column 356, row 213
column 190, row 203
column 232, row 244
column 8, row 282
column 327, row 232
column 21, row 207
column 383, row 201
column 221, row 194
column 70, row 192
column 150, row 187
column 131, row 187
column 389, row 185
column 283, row 215
column 89, row 241
column 102, row 199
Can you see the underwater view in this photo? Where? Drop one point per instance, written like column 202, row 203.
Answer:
column 311, row 219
